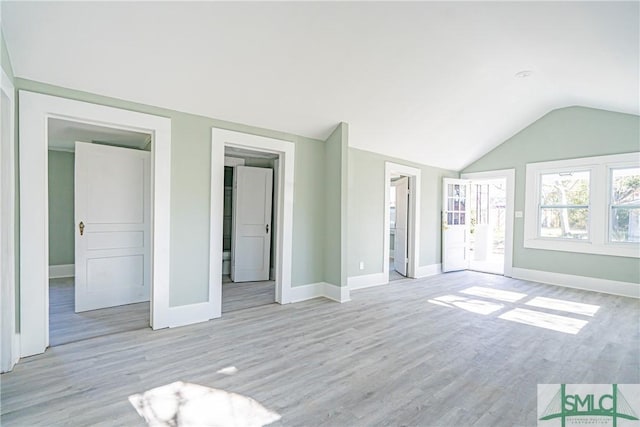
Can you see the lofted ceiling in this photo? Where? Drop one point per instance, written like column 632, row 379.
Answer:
column 432, row 82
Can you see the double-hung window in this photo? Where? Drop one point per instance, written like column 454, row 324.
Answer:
column 624, row 205
column 564, row 205
column 589, row 205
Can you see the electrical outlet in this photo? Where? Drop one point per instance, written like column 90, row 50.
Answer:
column 361, row 265
column 518, row 214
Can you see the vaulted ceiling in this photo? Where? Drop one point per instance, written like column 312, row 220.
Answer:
column 432, row 82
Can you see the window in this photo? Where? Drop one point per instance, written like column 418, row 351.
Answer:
column 624, row 219
column 589, row 205
column 564, row 205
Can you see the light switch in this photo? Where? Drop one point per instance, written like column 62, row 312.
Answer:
column 518, row 214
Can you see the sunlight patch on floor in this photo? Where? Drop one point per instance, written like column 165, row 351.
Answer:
column 544, row 320
column 185, row 404
column 564, row 305
column 499, row 294
column 472, row 305
column 229, row 370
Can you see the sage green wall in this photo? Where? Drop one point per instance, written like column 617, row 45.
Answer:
column 61, row 213
column 190, row 194
column 5, row 60
column 335, row 164
column 564, row 134
column 366, row 211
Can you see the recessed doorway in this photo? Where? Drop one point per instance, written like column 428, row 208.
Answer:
column 35, row 112
column 99, row 230
column 399, row 230
column 248, row 235
column 401, row 222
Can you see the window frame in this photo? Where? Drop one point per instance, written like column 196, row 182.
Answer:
column 600, row 186
column 588, row 206
column 610, row 205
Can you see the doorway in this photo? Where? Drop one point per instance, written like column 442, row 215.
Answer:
column 487, row 225
column 283, row 211
column 248, row 237
column 35, row 110
column 399, row 204
column 99, row 230
column 402, row 205
column 477, row 222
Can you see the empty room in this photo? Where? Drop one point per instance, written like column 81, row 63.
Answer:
column 320, row 213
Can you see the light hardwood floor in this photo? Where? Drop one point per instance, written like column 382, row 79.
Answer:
column 393, row 274
column 66, row 326
column 238, row 296
column 432, row 352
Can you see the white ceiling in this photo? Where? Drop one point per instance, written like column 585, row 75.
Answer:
column 63, row 135
column 431, row 82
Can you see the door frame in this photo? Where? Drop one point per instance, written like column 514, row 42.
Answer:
column 8, row 190
column 221, row 138
column 35, row 110
column 414, row 212
column 509, row 175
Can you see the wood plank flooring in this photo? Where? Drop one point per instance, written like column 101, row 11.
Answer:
column 238, row 296
column 66, row 326
column 432, row 352
column 393, row 274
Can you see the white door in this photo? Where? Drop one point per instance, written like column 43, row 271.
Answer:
column 112, row 213
column 251, row 224
column 455, row 224
column 400, row 257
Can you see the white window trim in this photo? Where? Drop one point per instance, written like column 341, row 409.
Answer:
column 599, row 206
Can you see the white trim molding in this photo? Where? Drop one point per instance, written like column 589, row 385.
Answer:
column 320, row 290
column 368, row 280
column 599, row 169
column 428, row 270
column 510, row 176
column 337, row 293
column 626, row 289
column 415, row 191
column 283, row 229
column 62, row 270
column 9, row 338
column 35, row 110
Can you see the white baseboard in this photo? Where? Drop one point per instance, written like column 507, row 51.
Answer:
column 428, row 270
column 185, row 315
column 613, row 287
column 320, row 289
column 337, row 293
column 306, row 292
column 367, row 280
column 61, row 270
